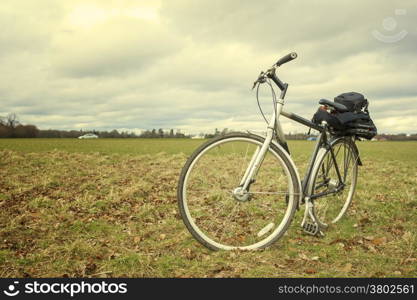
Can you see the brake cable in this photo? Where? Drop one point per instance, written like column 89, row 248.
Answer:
column 274, row 98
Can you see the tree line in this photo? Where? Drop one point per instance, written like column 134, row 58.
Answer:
column 397, row 137
column 10, row 127
column 160, row 133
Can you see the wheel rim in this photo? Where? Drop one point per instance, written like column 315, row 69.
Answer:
column 330, row 208
column 225, row 219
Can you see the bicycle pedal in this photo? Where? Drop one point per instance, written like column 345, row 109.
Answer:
column 311, row 228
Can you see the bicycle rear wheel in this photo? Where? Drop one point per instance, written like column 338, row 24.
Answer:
column 334, row 196
column 212, row 208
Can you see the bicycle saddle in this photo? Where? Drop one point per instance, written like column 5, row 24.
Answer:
column 337, row 106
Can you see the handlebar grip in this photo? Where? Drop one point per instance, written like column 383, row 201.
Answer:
column 286, row 58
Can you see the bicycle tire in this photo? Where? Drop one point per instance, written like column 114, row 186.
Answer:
column 194, row 158
column 320, row 206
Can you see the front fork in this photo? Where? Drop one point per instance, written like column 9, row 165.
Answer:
column 256, row 161
column 259, row 155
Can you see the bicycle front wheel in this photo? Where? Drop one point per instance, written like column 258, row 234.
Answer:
column 219, row 217
column 331, row 196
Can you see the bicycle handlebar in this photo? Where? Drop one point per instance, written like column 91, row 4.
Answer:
column 271, row 72
column 286, row 58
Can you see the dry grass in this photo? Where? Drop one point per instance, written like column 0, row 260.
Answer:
column 110, row 215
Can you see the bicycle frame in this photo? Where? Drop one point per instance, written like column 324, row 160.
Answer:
column 274, row 127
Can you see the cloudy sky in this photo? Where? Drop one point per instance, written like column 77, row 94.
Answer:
column 190, row 64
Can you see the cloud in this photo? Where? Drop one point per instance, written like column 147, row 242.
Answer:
column 190, row 64
column 114, row 47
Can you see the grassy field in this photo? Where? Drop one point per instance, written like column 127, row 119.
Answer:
column 107, row 208
column 104, row 146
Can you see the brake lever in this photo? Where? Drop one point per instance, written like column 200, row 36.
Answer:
column 261, row 79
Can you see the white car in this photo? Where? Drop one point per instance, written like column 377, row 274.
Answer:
column 88, row 136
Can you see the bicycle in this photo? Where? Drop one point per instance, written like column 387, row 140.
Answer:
column 241, row 190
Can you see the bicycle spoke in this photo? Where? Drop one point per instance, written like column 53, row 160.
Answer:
column 331, row 161
column 242, row 168
column 346, row 163
column 211, row 191
column 351, row 155
column 272, row 193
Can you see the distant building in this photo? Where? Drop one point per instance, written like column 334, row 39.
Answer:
column 195, row 137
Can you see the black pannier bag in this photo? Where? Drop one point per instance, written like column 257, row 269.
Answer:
column 355, row 102
column 331, row 119
column 358, row 124
column 355, row 122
